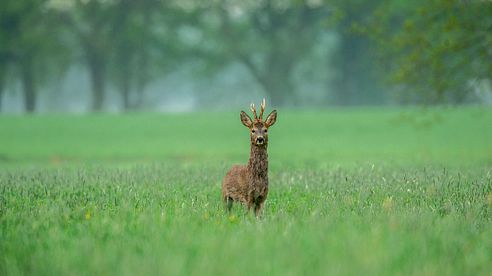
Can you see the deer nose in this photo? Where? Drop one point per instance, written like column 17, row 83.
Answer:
column 260, row 140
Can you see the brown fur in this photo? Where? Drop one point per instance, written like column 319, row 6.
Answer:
column 248, row 184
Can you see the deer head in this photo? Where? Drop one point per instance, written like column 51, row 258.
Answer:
column 259, row 128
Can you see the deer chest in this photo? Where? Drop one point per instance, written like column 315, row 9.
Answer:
column 259, row 186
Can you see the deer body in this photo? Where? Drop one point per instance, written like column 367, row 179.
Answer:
column 248, row 184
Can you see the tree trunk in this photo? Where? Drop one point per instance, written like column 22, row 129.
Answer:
column 4, row 63
column 1, row 96
column 276, row 81
column 28, row 85
column 97, row 68
column 278, row 89
column 2, row 84
column 142, row 78
column 358, row 81
column 125, row 90
column 347, row 82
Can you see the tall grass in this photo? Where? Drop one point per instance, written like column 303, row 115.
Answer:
column 352, row 192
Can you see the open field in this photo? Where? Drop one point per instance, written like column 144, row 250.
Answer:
column 378, row 192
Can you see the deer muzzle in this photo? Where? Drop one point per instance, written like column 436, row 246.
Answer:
column 260, row 140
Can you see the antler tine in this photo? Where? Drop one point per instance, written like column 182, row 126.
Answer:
column 253, row 109
column 262, row 108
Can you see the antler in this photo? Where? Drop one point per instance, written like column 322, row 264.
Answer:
column 262, row 108
column 253, row 109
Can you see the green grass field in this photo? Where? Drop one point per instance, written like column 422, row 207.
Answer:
column 352, row 191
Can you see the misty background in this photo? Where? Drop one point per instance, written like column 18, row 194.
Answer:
column 165, row 55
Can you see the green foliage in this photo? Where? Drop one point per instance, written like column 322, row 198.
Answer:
column 31, row 47
column 357, row 78
column 351, row 192
column 146, row 45
column 270, row 39
column 296, row 52
column 435, row 49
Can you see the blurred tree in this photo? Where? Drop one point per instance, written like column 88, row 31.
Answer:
column 269, row 38
column 435, row 49
column 358, row 80
column 3, row 75
column 90, row 21
column 5, row 50
column 133, row 28
column 122, row 41
column 134, row 37
column 29, row 41
column 145, row 44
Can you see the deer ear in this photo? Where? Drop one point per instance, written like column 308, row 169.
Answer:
column 246, row 120
column 271, row 119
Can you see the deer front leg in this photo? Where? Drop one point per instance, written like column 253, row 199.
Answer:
column 250, row 201
column 249, row 205
column 258, row 208
column 228, row 203
column 259, row 205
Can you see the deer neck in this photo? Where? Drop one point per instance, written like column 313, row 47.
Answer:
column 258, row 161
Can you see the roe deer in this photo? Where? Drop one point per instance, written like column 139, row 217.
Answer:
column 248, row 184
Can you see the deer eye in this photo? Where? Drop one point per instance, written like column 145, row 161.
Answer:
column 266, row 130
column 253, row 131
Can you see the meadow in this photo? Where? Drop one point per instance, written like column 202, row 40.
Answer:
column 405, row 191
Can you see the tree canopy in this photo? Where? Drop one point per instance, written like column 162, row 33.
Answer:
column 348, row 52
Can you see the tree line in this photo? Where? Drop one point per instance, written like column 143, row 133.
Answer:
column 409, row 51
